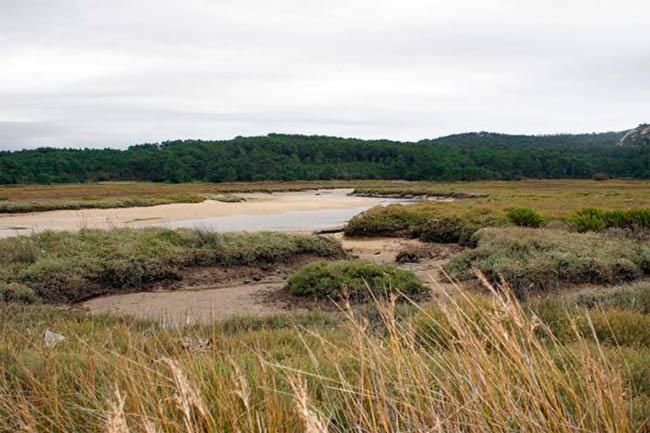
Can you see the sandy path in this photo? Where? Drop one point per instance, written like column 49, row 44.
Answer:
column 256, row 204
column 184, row 307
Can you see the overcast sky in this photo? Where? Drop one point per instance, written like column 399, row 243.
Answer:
column 119, row 72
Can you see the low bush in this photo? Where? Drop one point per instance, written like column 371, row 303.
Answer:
column 444, row 230
column 525, row 217
column 588, row 220
column 597, row 220
column 14, row 292
column 431, row 222
column 533, row 260
column 69, row 267
column 394, row 220
column 356, row 280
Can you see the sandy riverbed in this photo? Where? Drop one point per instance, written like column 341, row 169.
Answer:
column 169, row 215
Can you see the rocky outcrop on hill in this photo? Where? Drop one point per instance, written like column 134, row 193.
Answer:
column 637, row 136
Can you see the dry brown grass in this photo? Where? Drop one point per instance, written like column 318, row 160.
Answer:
column 493, row 372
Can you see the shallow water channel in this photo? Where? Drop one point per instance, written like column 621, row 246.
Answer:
column 293, row 211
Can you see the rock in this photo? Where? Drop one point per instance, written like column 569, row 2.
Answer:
column 637, row 136
column 51, row 339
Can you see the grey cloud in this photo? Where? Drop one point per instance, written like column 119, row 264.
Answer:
column 117, row 72
column 16, row 135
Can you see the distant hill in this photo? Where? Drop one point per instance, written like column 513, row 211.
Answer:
column 637, row 136
column 519, row 141
column 471, row 156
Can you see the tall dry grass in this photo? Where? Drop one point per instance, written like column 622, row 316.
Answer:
column 483, row 365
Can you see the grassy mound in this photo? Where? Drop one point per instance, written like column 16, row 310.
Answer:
column 536, row 260
column 68, row 267
column 432, row 222
column 324, row 280
column 394, row 220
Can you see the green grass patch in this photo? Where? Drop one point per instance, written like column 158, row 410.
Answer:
column 356, row 280
column 69, row 267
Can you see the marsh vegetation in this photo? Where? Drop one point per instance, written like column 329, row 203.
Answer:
column 547, row 329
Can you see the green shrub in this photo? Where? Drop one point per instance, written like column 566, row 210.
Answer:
column 525, row 217
column 394, row 220
column 639, row 217
column 533, row 260
column 453, row 229
column 444, row 230
column 324, row 280
column 597, row 220
column 14, row 292
column 400, row 220
column 588, row 222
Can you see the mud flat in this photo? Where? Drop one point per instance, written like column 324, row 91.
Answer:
column 291, row 211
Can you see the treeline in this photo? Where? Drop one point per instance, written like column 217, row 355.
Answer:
column 296, row 157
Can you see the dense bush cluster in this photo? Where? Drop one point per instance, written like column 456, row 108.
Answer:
column 69, row 267
column 394, row 220
column 298, row 157
column 537, row 260
column 597, row 220
column 355, row 280
column 525, row 217
column 429, row 222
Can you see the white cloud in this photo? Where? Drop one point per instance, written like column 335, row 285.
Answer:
column 118, row 72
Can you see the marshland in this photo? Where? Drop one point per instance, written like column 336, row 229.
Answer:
column 324, row 217
column 469, row 305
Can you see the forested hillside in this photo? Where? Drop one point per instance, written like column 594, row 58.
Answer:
column 296, row 157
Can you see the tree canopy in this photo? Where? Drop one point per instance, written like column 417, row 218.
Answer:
column 276, row 157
